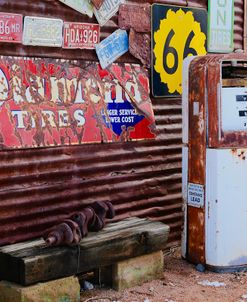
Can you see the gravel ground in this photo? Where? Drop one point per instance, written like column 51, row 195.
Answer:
column 180, row 283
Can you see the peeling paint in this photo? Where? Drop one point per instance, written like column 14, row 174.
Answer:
column 48, row 103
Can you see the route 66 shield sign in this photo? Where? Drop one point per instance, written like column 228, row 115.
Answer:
column 177, row 32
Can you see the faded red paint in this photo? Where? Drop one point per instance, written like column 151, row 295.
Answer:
column 47, row 103
column 11, row 28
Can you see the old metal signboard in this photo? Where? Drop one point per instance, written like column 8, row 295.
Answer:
column 177, row 32
column 47, row 102
column 80, row 35
column 220, row 26
column 82, row 6
column 10, row 28
column 135, row 16
column 113, row 47
column 107, row 10
column 40, row 31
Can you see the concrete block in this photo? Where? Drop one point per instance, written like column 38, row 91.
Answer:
column 135, row 271
column 61, row 290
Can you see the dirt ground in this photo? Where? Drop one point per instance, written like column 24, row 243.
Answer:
column 179, row 284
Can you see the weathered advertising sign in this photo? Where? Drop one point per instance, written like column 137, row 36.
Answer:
column 10, row 28
column 47, row 102
column 40, row 31
column 80, row 35
column 220, row 26
column 178, row 32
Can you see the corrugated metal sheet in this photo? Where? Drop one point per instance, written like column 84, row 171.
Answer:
column 39, row 187
column 239, row 24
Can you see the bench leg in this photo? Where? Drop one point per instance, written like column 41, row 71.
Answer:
column 136, row 271
column 62, row 290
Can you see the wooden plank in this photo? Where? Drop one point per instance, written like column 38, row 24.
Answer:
column 31, row 262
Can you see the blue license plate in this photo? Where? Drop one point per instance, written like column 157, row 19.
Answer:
column 113, row 47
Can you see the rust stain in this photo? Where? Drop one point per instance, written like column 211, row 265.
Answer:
column 196, row 246
column 197, row 157
column 240, row 154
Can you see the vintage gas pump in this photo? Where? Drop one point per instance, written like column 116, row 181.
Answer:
column 215, row 161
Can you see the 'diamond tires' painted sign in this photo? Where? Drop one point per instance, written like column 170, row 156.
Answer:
column 48, row 102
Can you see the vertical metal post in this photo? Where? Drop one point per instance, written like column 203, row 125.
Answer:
column 245, row 26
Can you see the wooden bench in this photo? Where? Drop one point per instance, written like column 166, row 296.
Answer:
column 32, row 262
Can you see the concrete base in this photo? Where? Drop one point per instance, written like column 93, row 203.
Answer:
column 136, row 271
column 61, row 290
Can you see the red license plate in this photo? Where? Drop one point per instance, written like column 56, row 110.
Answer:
column 80, row 35
column 10, row 28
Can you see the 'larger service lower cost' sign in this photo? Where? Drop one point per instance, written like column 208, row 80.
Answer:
column 220, row 26
column 177, row 32
column 49, row 102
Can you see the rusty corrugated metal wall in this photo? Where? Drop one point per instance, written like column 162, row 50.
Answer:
column 40, row 186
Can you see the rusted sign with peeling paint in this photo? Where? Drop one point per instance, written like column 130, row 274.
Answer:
column 133, row 16
column 10, row 28
column 48, row 102
column 80, row 35
column 140, row 46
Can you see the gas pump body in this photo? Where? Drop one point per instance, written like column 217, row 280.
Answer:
column 215, row 161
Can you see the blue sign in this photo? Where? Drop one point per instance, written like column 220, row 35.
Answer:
column 113, row 47
column 120, row 116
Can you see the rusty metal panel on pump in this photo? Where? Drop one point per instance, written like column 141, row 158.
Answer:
column 50, row 103
column 177, row 32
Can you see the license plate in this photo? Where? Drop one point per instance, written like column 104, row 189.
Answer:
column 10, row 28
column 43, row 32
column 112, row 47
column 82, row 6
column 80, row 35
column 107, row 10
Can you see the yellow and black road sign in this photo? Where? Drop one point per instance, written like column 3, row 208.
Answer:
column 177, row 32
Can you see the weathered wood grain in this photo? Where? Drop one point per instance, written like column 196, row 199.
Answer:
column 31, row 262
